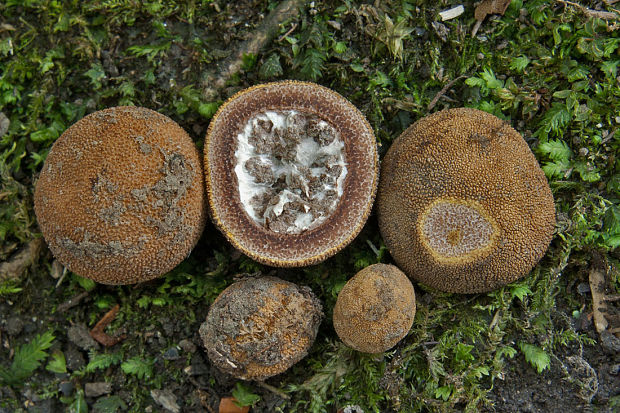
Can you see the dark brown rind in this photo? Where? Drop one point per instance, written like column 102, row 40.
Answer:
column 375, row 309
column 120, row 197
column 313, row 246
column 465, row 155
column 259, row 327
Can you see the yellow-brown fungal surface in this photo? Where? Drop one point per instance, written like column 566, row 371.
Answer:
column 463, row 205
column 375, row 309
column 120, row 197
column 259, row 327
column 291, row 172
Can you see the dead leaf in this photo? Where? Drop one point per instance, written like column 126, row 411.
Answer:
column 228, row 405
column 487, row 7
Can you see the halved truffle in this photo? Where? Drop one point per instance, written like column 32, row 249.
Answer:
column 463, row 205
column 259, row 327
column 375, row 309
column 291, row 172
column 120, row 197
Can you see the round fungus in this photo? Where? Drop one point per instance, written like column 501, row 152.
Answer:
column 375, row 309
column 120, row 197
column 291, row 172
column 259, row 327
column 463, row 205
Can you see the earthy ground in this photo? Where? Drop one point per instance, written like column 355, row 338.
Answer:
column 548, row 68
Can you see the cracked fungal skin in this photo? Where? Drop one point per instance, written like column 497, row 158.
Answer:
column 259, row 327
column 120, row 196
column 463, row 205
column 290, row 214
column 375, row 309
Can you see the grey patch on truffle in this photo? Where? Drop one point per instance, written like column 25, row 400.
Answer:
column 145, row 148
column 105, row 116
column 102, row 183
column 112, row 214
column 165, row 194
column 87, row 248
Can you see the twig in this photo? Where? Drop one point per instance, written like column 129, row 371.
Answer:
column 291, row 30
column 597, row 288
column 274, row 390
column 98, row 334
column 263, row 34
column 443, row 92
column 605, row 15
column 72, row 302
column 14, row 268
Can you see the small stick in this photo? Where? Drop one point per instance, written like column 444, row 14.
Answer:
column 72, row 302
column 443, row 92
column 274, row 390
column 597, row 288
column 604, row 15
column 291, row 30
column 98, row 334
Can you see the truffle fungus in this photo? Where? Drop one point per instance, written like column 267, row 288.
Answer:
column 463, row 205
column 291, row 172
column 375, row 309
column 120, row 197
column 259, row 327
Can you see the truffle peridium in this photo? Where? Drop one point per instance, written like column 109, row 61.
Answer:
column 291, row 172
column 463, row 205
column 259, row 327
column 375, row 309
column 120, row 197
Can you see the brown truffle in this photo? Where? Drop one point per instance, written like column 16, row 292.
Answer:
column 375, row 309
column 463, row 206
column 291, row 172
column 120, row 197
column 259, row 327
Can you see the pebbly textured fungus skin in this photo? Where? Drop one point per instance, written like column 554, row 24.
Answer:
column 463, row 205
column 375, row 309
column 280, row 245
column 259, row 327
column 120, row 197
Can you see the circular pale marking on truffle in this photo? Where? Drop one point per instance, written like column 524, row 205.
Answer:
column 290, row 169
column 457, row 231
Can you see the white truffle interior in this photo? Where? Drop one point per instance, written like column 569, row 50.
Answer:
column 291, row 170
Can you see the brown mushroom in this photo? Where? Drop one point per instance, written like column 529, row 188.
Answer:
column 120, row 196
column 291, row 172
column 259, row 327
column 463, row 205
column 375, row 309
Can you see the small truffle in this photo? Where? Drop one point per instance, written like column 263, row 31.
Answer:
column 259, row 327
column 291, row 172
column 375, row 309
column 120, row 197
column 463, row 205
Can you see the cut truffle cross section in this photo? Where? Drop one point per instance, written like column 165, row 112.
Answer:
column 291, row 170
